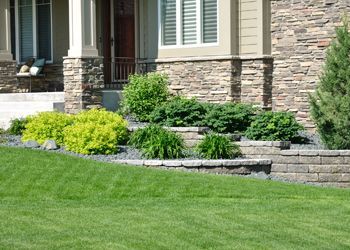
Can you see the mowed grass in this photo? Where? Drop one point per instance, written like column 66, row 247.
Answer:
column 54, row 201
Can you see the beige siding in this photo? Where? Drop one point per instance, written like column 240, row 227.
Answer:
column 60, row 29
column 248, row 13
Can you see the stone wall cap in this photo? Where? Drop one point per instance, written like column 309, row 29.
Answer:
column 197, row 163
column 206, row 58
column 82, row 57
column 277, row 144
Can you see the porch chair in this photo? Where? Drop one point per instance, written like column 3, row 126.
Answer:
column 33, row 68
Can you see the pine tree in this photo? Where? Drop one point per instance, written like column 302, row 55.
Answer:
column 330, row 105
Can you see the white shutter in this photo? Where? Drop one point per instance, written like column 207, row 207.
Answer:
column 168, row 9
column 44, row 29
column 210, row 21
column 189, row 21
column 25, row 29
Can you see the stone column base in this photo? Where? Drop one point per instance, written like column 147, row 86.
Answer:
column 83, row 81
column 8, row 70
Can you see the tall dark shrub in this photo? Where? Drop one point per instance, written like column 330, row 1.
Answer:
column 330, row 105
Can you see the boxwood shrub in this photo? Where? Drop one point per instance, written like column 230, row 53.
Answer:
column 17, row 126
column 274, row 126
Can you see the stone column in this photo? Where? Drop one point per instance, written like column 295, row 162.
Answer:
column 83, row 67
column 7, row 64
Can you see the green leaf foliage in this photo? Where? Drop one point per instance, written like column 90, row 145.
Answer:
column 95, row 132
column 17, row 126
column 229, row 117
column 330, row 105
column 179, row 112
column 215, row 146
column 144, row 93
column 156, row 142
column 274, row 126
column 47, row 126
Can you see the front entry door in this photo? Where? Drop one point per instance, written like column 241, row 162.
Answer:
column 119, row 40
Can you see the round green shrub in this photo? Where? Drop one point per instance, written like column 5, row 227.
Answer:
column 215, row 146
column 274, row 126
column 179, row 112
column 144, row 93
column 91, row 139
column 95, row 132
column 156, row 142
column 229, row 117
column 46, row 126
column 104, row 117
column 17, row 126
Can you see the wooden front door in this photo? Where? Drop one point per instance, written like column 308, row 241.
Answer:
column 118, row 40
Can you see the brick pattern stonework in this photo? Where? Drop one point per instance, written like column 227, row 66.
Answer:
column 8, row 77
column 219, row 81
column 325, row 167
column 83, row 81
column 301, row 32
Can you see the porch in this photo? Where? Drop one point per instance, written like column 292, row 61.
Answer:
column 58, row 30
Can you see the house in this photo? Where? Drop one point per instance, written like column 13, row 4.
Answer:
column 266, row 52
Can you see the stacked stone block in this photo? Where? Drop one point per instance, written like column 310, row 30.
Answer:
column 301, row 32
column 326, row 167
column 83, row 80
column 8, row 72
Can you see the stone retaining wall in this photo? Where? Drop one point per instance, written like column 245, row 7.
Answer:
column 301, row 32
column 326, row 167
column 233, row 167
column 8, row 72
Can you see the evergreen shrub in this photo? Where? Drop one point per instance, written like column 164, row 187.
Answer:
column 17, row 126
column 179, row 112
column 330, row 104
column 274, row 126
column 229, row 117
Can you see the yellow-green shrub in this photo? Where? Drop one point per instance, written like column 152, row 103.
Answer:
column 90, row 138
column 104, row 117
column 46, row 126
column 95, row 132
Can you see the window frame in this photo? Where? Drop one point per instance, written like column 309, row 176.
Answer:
column 179, row 27
column 35, row 33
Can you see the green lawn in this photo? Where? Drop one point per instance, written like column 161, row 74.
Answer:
column 53, row 201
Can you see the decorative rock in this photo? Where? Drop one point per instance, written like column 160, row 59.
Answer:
column 260, row 175
column 50, row 145
column 31, row 144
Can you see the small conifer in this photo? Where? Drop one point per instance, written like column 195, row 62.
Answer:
column 330, row 104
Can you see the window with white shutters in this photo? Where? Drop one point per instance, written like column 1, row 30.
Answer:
column 168, row 22
column 31, row 34
column 188, row 22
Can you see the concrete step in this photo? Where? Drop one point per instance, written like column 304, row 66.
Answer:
column 32, row 97
column 23, row 104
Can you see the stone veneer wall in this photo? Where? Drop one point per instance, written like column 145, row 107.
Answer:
column 218, row 80
column 301, row 32
column 83, row 81
column 8, row 77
